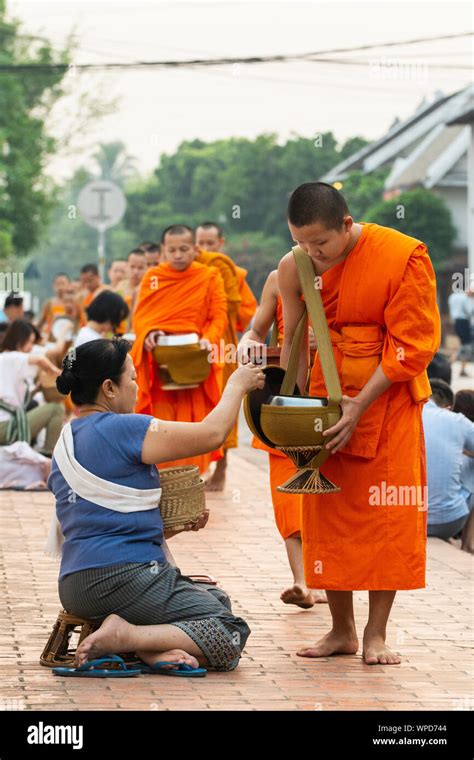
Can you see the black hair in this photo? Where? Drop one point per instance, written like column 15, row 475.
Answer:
column 439, row 367
column 61, row 274
column 178, row 229
column 136, row 252
column 442, row 393
column 149, row 247
column 107, row 307
column 13, row 299
column 92, row 268
column 317, row 202
column 16, row 335
column 464, row 403
column 86, row 367
column 212, row 225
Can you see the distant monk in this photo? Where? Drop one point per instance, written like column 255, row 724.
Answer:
column 152, row 253
column 179, row 296
column 91, row 284
column 128, row 288
column 379, row 294
column 117, row 272
column 286, row 506
column 210, row 241
column 54, row 307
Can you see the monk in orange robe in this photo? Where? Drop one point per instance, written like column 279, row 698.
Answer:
column 379, row 295
column 128, row 287
column 179, row 296
column 90, row 287
column 210, row 241
column 287, row 507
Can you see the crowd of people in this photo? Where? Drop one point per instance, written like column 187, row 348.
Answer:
column 64, row 383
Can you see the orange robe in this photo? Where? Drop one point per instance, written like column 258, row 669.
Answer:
column 248, row 303
column 231, row 280
column 286, row 506
column 179, row 302
column 380, row 304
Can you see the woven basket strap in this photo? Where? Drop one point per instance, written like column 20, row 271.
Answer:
column 314, row 306
column 289, row 381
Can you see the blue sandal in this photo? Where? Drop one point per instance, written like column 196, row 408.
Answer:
column 182, row 670
column 92, row 669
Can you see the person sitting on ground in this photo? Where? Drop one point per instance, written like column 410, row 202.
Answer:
column 439, row 368
column 464, row 404
column 114, row 570
column 13, row 307
column 447, row 436
column 18, row 367
column 104, row 315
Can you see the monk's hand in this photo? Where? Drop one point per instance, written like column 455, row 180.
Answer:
column 342, row 430
column 151, row 339
column 250, row 351
column 247, row 378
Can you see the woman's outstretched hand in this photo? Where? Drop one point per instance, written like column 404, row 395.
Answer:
column 248, row 378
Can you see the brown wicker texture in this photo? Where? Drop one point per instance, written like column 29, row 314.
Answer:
column 57, row 651
column 183, row 497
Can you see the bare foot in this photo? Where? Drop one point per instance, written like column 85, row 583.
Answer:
column 217, row 481
column 333, row 643
column 178, row 656
column 376, row 652
column 319, row 596
column 298, row 595
column 112, row 637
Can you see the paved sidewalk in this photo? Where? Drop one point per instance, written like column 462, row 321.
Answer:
column 242, row 548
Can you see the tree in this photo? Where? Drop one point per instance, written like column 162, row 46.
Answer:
column 420, row 214
column 25, row 99
column 114, row 162
column 362, row 191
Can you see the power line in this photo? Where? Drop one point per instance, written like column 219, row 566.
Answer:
column 309, row 57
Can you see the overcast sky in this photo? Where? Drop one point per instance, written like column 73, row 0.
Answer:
column 157, row 109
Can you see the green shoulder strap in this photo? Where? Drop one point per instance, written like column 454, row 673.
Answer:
column 315, row 309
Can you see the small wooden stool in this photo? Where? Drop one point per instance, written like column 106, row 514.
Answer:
column 57, row 651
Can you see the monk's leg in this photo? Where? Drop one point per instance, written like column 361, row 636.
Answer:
column 217, row 481
column 375, row 650
column 151, row 643
column 299, row 593
column 342, row 638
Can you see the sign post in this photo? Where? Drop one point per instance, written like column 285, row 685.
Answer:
column 101, row 204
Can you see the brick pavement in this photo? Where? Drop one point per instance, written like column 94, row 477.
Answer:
column 241, row 547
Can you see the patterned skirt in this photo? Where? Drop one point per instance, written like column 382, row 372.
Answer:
column 155, row 593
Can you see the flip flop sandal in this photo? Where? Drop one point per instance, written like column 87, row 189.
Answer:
column 92, row 669
column 182, row 670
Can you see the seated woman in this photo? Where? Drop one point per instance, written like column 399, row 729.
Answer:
column 113, row 569
column 18, row 367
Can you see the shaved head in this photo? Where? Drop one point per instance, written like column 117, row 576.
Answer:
column 317, row 202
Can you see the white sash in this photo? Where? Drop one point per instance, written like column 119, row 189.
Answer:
column 94, row 489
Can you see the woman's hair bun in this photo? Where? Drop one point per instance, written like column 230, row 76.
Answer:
column 65, row 382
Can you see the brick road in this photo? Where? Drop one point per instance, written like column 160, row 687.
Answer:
column 241, row 547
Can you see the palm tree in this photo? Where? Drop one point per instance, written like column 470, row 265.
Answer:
column 114, row 162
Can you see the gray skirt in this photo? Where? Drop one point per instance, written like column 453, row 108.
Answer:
column 152, row 593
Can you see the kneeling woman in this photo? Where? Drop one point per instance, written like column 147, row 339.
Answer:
column 113, row 567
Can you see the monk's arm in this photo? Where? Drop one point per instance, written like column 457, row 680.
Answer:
column 251, row 342
column 293, row 309
column 166, row 440
column 413, row 334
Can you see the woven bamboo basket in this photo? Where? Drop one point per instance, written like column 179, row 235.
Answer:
column 183, row 497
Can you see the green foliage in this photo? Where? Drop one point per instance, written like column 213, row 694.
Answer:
column 420, row 214
column 25, row 98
